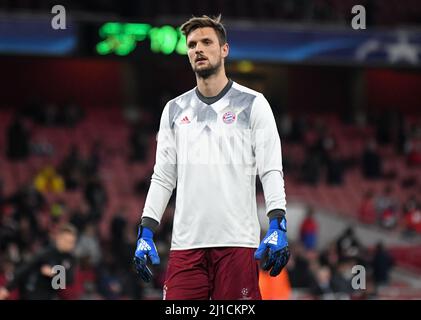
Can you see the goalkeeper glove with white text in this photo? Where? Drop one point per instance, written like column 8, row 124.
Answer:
column 275, row 244
column 145, row 248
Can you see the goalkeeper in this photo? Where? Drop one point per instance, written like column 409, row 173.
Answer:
column 213, row 140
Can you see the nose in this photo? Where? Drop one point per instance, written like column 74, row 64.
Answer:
column 198, row 48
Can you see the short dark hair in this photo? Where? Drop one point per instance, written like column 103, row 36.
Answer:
column 203, row 22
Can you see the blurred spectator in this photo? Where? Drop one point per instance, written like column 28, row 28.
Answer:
column 367, row 209
column 90, row 292
column 96, row 196
column 371, row 161
column 298, row 268
column 298, row 129
column 387, row 208
column 329, row 256
column 2, row 198
column 93, row 161
column 34, row 277
column 412, row 216
column 348, row 246
column 110, row 284
column 382, row 264
column 88, row 245
column 42, row 147
column 118, row 228
column 342, row 279
column 80, row 215
column 72, row 168
column 17, row 140
column 139, row 140
column 8, row 230
column 284, row 125
column 335, row 169
column 141, row 187
column 27, row 202
column 311, row 169
column 122, row 252
column 7, row 270
column 413, row 147
column 58, row 210
column 132, row 113
column 325, row 146
column 309, row 230
column 402, row 134
column 48, row 180
column 26, row 238
column 322, row 286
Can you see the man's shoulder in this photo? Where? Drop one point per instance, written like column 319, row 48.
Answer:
column 246, row 90
column 182, row 98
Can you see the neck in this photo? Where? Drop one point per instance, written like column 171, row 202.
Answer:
column 211, row 86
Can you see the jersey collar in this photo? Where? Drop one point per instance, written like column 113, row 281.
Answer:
column 214, row 99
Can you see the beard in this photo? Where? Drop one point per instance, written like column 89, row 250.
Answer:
column 207, row 71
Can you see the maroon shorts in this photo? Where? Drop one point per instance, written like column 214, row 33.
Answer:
column 212, row 273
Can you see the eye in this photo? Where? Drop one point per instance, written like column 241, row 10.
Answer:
column 191, row 45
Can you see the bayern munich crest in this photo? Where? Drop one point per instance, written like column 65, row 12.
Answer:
column 228, row 117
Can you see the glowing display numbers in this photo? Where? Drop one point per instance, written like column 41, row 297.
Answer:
column 122, row 38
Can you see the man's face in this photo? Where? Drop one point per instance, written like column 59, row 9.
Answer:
column 205, row 52
column 66, row 242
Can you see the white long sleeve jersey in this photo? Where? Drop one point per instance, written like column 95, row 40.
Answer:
column 211, row 150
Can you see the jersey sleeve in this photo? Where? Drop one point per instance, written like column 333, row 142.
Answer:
column 164, row 177
column 267, row 150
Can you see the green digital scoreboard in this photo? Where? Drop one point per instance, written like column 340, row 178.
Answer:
column 122, row 38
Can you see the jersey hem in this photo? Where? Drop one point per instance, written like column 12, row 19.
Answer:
column 202, row 246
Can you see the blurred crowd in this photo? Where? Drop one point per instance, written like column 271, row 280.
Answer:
column 384, row 136
column 104, row 265
column 386, row 211
column 332, row 273
column 31, row 215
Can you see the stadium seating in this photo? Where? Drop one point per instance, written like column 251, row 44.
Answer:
column 120, row 175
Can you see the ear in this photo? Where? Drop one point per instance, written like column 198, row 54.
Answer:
column 225, row 50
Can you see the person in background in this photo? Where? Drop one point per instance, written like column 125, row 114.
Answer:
column 382, row 263
column 34, row 278
column 17, row 140
column 367, row 209
column 309, row 230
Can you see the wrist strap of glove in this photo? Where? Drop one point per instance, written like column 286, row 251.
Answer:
column 277, row 219
column 149, row 223
column 144, row 232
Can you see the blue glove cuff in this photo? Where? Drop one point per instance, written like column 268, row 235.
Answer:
column 280, row 224
column 145, row 233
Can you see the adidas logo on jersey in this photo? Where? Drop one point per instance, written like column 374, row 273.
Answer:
column 185, row 120
column 143, row 245
column 272, row 239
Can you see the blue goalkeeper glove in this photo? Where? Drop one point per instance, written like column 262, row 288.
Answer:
column 275, row 244
column 145, row 248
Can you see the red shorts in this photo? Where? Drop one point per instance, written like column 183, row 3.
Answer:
column 212, row 273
